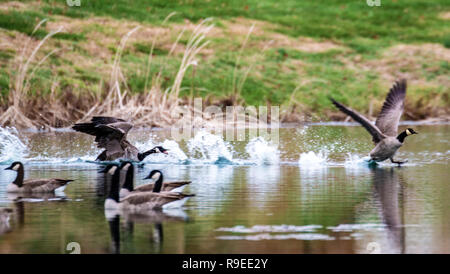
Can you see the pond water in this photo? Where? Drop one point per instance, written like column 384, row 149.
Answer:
column 313, row 192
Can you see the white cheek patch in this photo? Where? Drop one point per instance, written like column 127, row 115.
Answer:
column 408, row 132
column 156, row 176
column 127, row 166
column 16, row 167
column 112, row 170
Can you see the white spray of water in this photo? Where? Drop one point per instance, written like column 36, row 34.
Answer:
column 313, row 160
column 211, row 148
column 11, row 147
column 175, row 155
column 262, row 152
column 355, row 161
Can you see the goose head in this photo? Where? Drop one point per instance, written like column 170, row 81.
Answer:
column 410, row 131
column 157, row 176
column 16, row 166
column 160, row 149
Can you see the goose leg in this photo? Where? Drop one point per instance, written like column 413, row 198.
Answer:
column 398, row 162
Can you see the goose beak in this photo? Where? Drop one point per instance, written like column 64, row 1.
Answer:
column 166, row 151
column 103, row 170
column 8, row 168
column 148, row 177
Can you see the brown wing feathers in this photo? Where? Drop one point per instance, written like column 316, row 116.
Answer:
column 377, row 136
column 392, row 109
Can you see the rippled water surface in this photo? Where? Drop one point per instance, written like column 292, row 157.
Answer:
column 313, row 192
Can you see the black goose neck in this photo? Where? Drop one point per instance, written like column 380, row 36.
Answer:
column 158, row 184
column 129, row 179
column 114, row 190
column 401, row 137
column 141, row 156
column 20, row 175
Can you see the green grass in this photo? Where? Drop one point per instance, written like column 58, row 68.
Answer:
column 362, row 32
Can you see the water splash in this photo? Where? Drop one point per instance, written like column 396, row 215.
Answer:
column 11, row 147
column 356, row 161
column 262, row 152
column 176, row 155
column 313, row 160
column 210, row 148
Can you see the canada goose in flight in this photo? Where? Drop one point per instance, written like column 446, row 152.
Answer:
column 33, row 185
column 139, row 202
column 111, row 134
column 384, row 132
column 127, row 179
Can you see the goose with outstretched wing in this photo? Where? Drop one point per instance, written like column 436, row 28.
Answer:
column 111, row 135
column 384, row 132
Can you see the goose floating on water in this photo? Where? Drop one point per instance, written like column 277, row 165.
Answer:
column 19, row 185
column 384, row 132
column 111, row 135
column 140, row 202
column 128, row 184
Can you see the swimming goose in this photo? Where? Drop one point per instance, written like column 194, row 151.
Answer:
column 139, row 202
column 128, row 185
column 33, row 185
column 384, row 132
column 111, row 134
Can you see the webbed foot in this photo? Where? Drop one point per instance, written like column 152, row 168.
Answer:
column 398, row 162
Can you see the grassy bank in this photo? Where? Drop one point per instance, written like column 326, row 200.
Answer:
column 288, row 53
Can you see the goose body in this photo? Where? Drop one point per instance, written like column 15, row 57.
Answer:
column 140, row 202
column 111, row 135
column 127, row 179
column 385, row 149
column 384, row 132
column 19, row 185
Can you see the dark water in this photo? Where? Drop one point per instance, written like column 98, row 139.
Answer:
column 313, row 193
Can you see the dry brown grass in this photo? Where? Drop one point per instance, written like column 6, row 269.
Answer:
column 155, row 107
column 152, row 108
column 16, row 113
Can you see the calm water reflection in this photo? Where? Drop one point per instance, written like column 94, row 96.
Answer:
column 324, row 203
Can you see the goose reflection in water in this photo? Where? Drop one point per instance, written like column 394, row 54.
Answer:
column 5, row 214
column 153, row 217
column 388, row 190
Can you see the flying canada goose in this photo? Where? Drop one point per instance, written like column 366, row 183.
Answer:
column 33, row 185
column 111, row 134
column 384, row 132
column 127, row 179
column 140, row 202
